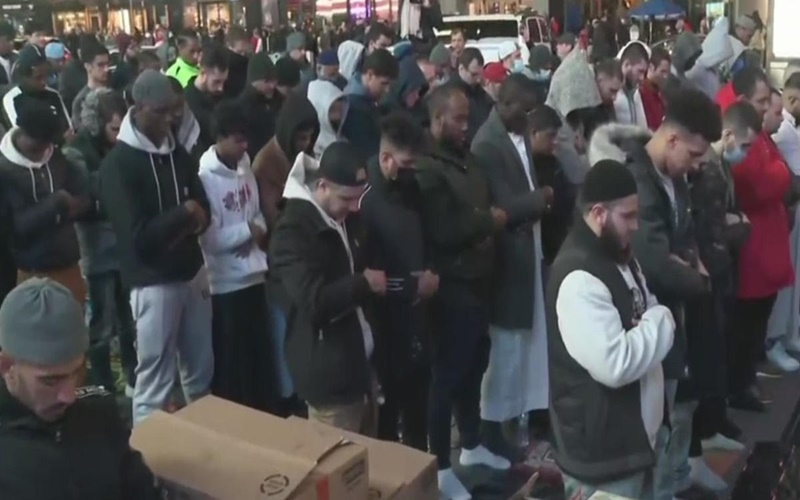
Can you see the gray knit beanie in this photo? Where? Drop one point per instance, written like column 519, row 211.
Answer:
column 440, row 55
column 41, row 323
column 152, row 88
column 295, row 41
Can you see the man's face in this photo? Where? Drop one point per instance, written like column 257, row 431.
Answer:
column 609, row 87
column 791, row 102
column 339, row 201
column 46, row 391
column 472, row 74
column 298, row 55
column 760, row 99
column 659, row 74
column 544, row 142
column 265, row 87
column 634, row 72
column 98, row 69
column 457, row 43
column 112, row 129
column 377, row 86
column 190, row 52
column 156, row 121
column 685, row 153
column 514, row 113
column 38, row 77
column 454, row 122
column 133, row 49
column 383, row 42
column 491, row 88
column 39, row 38
column 744, row 34
column 241, row 47
column 214, row 80
column 336, row 113
column 234, row 146
column 563, row 50
column 6, row 45
column 329, row 72
column 394, row 161
column 508, row 62
column 733, row 140
column 302, row 141
column 774, row 115
column 618, row 221
column 429, row 71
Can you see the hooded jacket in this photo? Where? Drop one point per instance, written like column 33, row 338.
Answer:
column 261, row 113
column 409, row 80
column 322, row 95
column 662, row 230
column 233, row 199
column 143, row 188
column 43, row 235
column 183, row 71
column 761, row 181
column 316, row 268
column 202, row 105
column 628, row 106
column 573, row 87
column 705, row 74
column 48, row 96
column 97, row 240
column 237, row 74
column 350, row 54
column 272, row 164
column 362, row 125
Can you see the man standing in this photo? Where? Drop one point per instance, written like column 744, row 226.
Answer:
column 652, row 88
column 515, row 382
column 48, row 421
column 469, row 81
column 95, row 60
column 628, row 107
column 238, row 42
column 315, row 262
column 205, row 90
column 328, row 68
column 296, row 51
column 7, row 56
column 260, row 102
column 460, row 224
column 185, row 67
column 607, row 387
column 158, row 214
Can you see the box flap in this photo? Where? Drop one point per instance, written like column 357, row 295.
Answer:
column 200, row 459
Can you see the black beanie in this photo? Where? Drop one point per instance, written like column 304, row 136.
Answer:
column 287, row 72
column 607, row 180
column 260, row 67
column 38, row 119
column 342, row 164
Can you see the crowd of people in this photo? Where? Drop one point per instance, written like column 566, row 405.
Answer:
column 602, row 251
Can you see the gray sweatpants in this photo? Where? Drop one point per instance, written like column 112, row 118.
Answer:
column 173, row 329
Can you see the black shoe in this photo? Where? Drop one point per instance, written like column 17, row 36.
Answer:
column 746, row 401
column 757, row 390
column 696, row 492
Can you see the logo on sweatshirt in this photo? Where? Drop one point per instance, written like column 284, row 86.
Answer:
column 235, row 201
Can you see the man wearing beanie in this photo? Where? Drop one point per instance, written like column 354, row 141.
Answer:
column 315, row 264
column 296, row 51
column 158, row 208
column 606, row 381
column 287, row 73
column 42, row 195
column 328, row 68
column 237, row 42
column 49, row 423
column 7, row 56
column 260, row 102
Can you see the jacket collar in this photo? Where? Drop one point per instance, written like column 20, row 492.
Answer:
column 15, row 414
column 449, row 155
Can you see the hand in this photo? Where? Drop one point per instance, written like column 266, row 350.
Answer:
column 701, row 268
column 198, row 214
column 243, row 250
column 69, row 135
column 427, row 283
column 257, row 233
column 75, row 204
column 745, row 220
column 677, row 259
column 376, row 280
column 500, row 217
column 731, row 219
column 548, row 195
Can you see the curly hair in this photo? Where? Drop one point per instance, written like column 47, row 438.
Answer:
column 100, row 107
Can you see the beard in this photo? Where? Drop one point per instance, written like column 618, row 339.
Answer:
column 610, row 240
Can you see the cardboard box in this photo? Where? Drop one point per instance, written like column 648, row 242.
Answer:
column 217, row 450
column 396, row 472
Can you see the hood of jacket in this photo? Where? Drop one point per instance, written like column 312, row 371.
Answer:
column 296, row 188
column 573, row 85
column 639, row 42
column 686, row 51
column 296, row 113
column 717, row 46
column 130, row 135
column 349, row 53
column 410, row 79
column 609, row 142
column 211, row 163
column 12, row 154
column 188, row 131
column 322, row 94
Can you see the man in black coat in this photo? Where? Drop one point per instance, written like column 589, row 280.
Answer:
column 49, row 423
column 238, row 47
column 260, row 102
column 205, row 90
column 469, row 78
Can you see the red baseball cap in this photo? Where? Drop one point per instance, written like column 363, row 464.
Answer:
column 495, row 72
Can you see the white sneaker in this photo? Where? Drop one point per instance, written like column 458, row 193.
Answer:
column 482, row 456
column 720, row 442
column 450, row 487
column 702, row 475
column 780, row 358
column 128, row 391
column 792, row 345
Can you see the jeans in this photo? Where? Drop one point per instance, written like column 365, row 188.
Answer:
column 277, row 328
column 460, row 356
column 672, row 474
column 110, row 316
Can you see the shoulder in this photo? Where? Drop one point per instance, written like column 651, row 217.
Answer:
column 91, row 391
column 581, row 285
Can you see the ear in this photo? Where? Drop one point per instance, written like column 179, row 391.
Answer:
column 5, row 364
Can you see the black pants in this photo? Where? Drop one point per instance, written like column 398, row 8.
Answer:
column 460, row 356
column 244, row 371
column 406, row 401
column 707, row 421
column 748, row 332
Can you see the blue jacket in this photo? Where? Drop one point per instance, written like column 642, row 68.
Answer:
column 362, row 125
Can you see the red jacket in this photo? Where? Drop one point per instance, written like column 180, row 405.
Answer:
column 653, row 103
column 760, row 181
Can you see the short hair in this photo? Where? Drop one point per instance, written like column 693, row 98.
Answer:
column 185, row 38
column 634, row 53
column 26, row 66
column 793, row 82
column 608, row 67
column 146, row 57
column 438, row 99
column 543, row 117
column 740, row 117
column 377, row 30
column 468, row 55
column 382, row 64
column 458, row 31
column 746, row 80
column 401, row 131
column 100, row 107
column 515, row 86
column 92, row 50
column 237, row 34
column 226, row 119
column 214, row 57
column 660, row 55
column 695, row 112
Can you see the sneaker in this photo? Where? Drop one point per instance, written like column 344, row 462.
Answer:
column 702, row 475
column 450, row 487
column 481, row 456
column 720, row 442
column 792, row 345
column 780, row 358
column 768, row 370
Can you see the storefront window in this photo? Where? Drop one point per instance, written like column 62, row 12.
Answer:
column 785, row 16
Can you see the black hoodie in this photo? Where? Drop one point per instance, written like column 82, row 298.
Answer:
column 202, row 105
column 237, row 74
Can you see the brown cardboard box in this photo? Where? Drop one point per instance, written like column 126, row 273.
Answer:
column 396, row 472
column 217, row 450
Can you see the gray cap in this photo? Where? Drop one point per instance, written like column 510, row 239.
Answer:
column 152, row 88
column 746, row 22
column 41, row 323
column 295, row 41
column 440, row 55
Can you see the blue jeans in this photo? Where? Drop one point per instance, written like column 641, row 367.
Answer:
column 277, row 328
column 672, row 474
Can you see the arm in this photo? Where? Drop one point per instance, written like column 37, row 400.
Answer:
column 30, row 221
column 596, row 338
column 520, row 208
column 301, row 271
column 760, row 179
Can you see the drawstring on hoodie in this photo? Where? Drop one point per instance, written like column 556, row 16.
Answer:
column 33, row 182
column 158, row 184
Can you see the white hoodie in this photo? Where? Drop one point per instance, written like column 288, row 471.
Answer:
column 322, row 95
column 296, row 189
column 233, row 198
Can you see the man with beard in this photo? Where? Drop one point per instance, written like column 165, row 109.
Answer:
column 260, row 102
column 628, row 108
column 606, row 380
column 608, row 75
column 469, row 81
column 652, row 88
column 206, row 89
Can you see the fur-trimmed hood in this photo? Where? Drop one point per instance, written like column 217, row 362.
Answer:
column 608, row 140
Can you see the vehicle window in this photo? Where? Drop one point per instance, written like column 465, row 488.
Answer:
column 477, row 29
column 534, row 32
column 545, row 30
